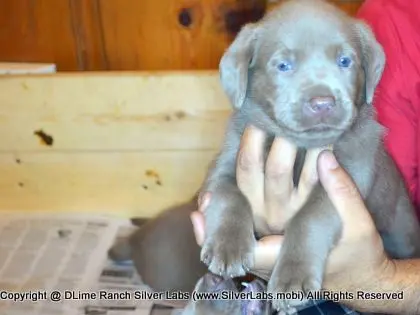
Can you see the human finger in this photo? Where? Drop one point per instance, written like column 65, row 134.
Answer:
column 342, row 191
column 278, row 184
column 266, row 252
column 309, row 174
column 197, row 219
column 203, row 201
column 250, row 166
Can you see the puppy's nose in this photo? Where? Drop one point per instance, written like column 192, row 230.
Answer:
column 320, row 105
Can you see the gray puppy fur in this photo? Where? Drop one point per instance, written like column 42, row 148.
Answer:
column 280, row 75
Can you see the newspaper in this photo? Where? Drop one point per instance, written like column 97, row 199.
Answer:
column 58, row 264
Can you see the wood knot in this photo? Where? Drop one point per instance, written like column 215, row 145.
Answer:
column 180, row 114
column 235, row 19
column 185, row 18
column 45, row 138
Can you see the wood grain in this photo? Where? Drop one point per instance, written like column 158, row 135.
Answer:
column 113, row 111
column 38, row 31
column 150, row 162
column 348, row 6
column 119, row 183
column 149, row 35
column 126, row 34
column 88, row 34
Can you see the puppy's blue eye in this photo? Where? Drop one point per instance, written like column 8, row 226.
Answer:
column 285, row 66
column 344, row 62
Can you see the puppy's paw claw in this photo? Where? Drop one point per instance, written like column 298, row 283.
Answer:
column 229, row 258
column 291, row 283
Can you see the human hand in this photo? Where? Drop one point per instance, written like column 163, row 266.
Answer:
column 269, row 191
column 359, row 257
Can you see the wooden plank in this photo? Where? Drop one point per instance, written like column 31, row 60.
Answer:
column 126, row 34
column 113, row 111
column 119, row 183
column 87, row 28
column 349, row 6
column 172, row 35
column 122, row 143
column 37, row 31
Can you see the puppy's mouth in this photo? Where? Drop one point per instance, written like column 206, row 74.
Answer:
column 322, row 128
column 319, row 128
column 314, row 136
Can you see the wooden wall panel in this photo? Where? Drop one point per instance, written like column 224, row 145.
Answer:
column 168, row 34
column 349, row 6
column 126, row 34
column 38, row 31
column 88, row 34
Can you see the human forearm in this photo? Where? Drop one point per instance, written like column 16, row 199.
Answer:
column 398, row 276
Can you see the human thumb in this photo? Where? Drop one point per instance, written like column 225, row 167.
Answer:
column 341, row 189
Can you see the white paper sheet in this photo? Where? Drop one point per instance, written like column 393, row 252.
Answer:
column 44, row 253
column 24, row 68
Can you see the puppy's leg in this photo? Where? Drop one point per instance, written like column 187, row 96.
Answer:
column 309, row 237
column 229, row 242
column 402, row 236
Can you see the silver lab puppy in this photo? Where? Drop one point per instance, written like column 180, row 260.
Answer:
column 306, row 72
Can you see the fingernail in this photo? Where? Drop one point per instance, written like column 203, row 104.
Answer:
column 329, row 160
column 196, row 228
column 255, row 135
column 204, row 201
column 195, row 222
column 253, row 128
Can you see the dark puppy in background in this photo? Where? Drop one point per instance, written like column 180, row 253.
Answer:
column 306, row 72
column 164, row 250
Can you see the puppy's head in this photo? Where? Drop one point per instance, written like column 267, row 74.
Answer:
column 212, row 284
column 307, row 67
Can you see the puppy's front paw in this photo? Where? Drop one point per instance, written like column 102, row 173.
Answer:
column 290, row 283
column 229, row 252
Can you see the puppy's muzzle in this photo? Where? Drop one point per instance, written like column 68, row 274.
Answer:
column 319, row 108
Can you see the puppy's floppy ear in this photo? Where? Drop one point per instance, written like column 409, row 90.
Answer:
column 373, row 59
column 235, row 63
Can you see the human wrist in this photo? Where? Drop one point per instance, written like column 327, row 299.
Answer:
column 405, row 279
column 354, row 282
column 382, row 278
column 391, row 290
